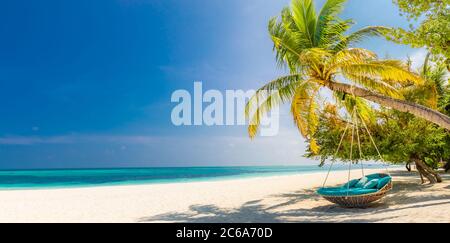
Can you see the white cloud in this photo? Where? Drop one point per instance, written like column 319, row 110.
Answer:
column 286, row 148
column 418, row 58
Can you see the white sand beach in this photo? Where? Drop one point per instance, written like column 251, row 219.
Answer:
column 289, row 198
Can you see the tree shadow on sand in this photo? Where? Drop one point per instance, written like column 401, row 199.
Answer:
column 257, row 212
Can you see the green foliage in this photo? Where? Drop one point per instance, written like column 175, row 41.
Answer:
column 434, row 30
column 416, row 8
column 435, row 93
column 445, row 102
column 400, row 137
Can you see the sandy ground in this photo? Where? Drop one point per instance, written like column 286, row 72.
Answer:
column 289, row 198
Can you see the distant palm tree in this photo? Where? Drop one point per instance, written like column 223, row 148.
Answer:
column 316, row 50
column 433, row 93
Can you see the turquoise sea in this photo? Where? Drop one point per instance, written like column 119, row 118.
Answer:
column 62, row 178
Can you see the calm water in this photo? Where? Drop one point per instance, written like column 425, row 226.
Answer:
column 29, row 179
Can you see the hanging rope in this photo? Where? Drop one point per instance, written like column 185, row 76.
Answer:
column 355, row 125
column 351, row 153
column 361, row 156
column 337, row 150
column 374, row 144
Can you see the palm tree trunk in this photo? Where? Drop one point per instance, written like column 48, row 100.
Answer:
column 400, row 105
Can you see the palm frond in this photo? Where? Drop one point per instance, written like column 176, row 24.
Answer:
column 425, row 94
column 314, row 57
column 327, row 15
column 304, row 16
column 274, row 93
column 360, row 35
column 303, row 109
column 379, row 86
column 390, row 71
column 350, row 103
column 438, row 76
column 347, row 57
column 333, row 33
column 287, row 43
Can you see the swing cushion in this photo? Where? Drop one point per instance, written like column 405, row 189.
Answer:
column 362, row 182
column 374, row 176
column 339, row 191
column 372, row 184
column 383, row 182
column 350, row 184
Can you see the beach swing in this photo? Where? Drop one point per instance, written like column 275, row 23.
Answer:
column 358, row 193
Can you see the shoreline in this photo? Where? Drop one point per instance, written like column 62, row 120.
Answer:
column 280, row 198
column 144, row 182
column 181, row 182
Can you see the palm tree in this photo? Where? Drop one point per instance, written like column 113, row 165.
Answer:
column 433, row 93
column 317, row 52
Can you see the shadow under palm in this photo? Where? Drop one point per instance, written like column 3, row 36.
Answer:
column 287, row 211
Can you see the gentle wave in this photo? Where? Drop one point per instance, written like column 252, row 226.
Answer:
column 63, row 178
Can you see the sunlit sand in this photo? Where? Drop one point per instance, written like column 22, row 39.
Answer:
column 289, row 198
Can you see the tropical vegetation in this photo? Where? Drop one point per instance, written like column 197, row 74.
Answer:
column 320, row 55
column 429, row 28
column 400, row 137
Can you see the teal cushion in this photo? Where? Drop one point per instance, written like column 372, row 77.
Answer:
column 362, row 182
column 350, row 184
column 372, row 184
column 373, row 176
column 362, row 191
column 344, row 192
column 383, row 182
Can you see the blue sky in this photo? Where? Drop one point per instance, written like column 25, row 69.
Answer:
column 88, row 83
